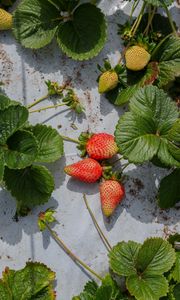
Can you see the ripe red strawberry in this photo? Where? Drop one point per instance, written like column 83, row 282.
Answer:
column 87, row 170
column 101, row 146
column 111, row 194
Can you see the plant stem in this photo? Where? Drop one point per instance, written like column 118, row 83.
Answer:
column 170, row 20
column 66, row 138
column 159, row 45
column 150, row 18
column 102, row 236
column 135, row 4
column 139, row 19
column 125, row 166
column 69, row 252
column 38, row 101
column 47, row 107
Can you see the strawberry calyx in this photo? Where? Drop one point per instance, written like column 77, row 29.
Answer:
column 83, row 139
column 142, row 41
column 109, row 174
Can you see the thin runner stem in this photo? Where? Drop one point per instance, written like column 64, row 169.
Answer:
column 38, row 101
column 66, row 138
column 102, row 236
column 70, row 253
column 47, row 107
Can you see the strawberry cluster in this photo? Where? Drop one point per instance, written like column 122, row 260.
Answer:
column 98, row 147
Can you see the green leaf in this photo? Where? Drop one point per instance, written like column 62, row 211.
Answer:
column 11, row 119
column 5, row 102
column 5, row 294
column 168, row 55
column 123, row 258
column 174, row 133
column 91, row 288
column 176, row 270
column 21, row 151
column 136, row 139
column 177, row 292
column 49, row 141
column 33, row 282
column 147, row 287
column 135, row 82
column 35, row 23
column 169, row 154
column 83, row 296
column 155, row 257
column 151, row 102
column 109, row 290
column 84, row 35
column 31, row 186
column 142, row 133
column 67, row 5
column 169, row 190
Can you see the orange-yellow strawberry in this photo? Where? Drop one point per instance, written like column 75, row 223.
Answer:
column 101, row 146
column 5, row 20
column 111, row 194
column 136, row 58
column 87, row 170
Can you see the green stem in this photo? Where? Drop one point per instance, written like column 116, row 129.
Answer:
column 102, row 236
column 135, row 4
column 170, row 20
column 159, row 45
column 66, row 138
column 150, row 18
column 70, row 253
column 47, row 107
column 139, row 19
column 134, row 24
column 125, row 166
column 38, row 101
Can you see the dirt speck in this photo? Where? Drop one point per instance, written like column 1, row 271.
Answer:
column 6, row 66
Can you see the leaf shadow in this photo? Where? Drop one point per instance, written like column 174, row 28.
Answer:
column 11, row 231
column 56, row 169
column 82, row 187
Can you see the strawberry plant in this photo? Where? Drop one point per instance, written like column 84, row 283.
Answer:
column 99, row 147
column 150, row 132
column 163, row 65
column 34, row 281
column 23, row 149
column 150, row 270
column 80, row 29
column 64, row 92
